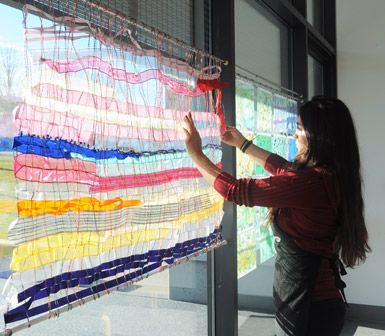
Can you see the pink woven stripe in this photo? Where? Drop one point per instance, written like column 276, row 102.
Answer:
column 96, row 63
column 48, row 163
column 101, row 184
column 42, row 122
column 48, row 90
column 113, row 183
column 53, row 176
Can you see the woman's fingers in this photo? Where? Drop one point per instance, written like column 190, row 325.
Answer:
column 227, row 135
column 186, row 133
column 189, row 122
column 192, row 137
column 188, row 116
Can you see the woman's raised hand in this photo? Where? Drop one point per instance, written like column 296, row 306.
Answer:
column 232, row 137
column 192, row 138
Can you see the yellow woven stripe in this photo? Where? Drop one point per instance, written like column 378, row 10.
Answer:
column 35, row 208
column 74, row 245
column 198, row 215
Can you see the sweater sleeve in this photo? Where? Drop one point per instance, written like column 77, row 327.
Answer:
column 276, row 164
column 289, row 190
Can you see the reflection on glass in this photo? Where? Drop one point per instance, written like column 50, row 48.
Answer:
column 269, row 119
column 314, row 9
column 11, row 73
column 261, row 43
column 315, row 77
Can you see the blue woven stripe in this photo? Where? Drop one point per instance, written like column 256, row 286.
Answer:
column 62, row 149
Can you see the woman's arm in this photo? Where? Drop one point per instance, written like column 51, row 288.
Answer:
column 293, row 189
column 235, row 138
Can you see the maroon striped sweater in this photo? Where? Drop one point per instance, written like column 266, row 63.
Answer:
column 307, row 203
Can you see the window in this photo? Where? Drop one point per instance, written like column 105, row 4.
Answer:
column 11, row 75
column 315, row 14
column 261, row 43
column 315, row 74
column 263, row 55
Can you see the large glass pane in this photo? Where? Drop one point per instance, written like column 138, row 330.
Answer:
column 11, row 75
column 261, row 43
column 315, row 14
column 315, row 77
column 268, row 117
column 172, row 302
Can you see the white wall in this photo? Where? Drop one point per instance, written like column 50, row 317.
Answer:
column 361, row 84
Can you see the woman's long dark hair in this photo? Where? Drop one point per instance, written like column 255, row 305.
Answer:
column 332, row 143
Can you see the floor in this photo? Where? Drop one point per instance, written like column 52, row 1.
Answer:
column 249, row 322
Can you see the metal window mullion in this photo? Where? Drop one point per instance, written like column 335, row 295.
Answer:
column 225, row 258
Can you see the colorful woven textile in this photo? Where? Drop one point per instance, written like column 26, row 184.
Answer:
column 106, row 191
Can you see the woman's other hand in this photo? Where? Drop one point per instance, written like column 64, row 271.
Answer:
column 232, row 137
column 192, row 138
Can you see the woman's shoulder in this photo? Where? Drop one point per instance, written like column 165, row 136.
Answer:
column 317, row 175
column 310, row 170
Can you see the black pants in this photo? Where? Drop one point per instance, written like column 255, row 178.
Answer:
column 326, row 318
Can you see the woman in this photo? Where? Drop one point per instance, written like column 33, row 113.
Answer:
column 316, row 212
